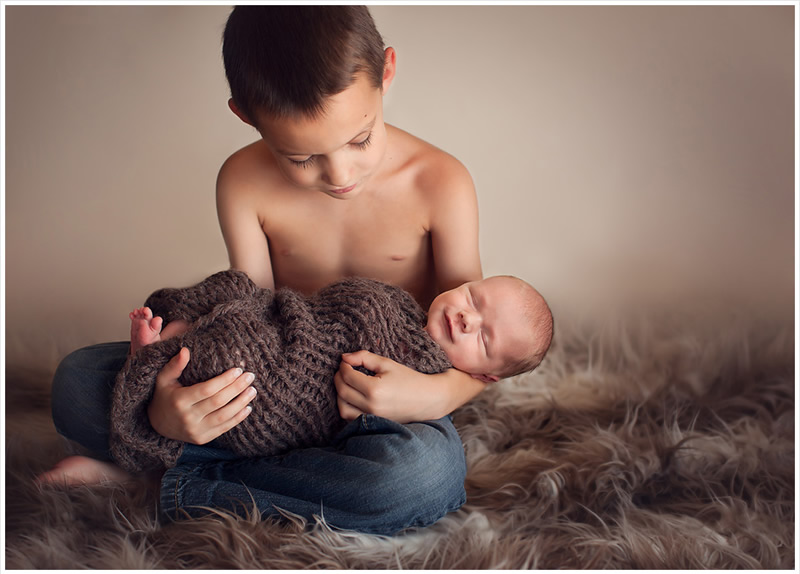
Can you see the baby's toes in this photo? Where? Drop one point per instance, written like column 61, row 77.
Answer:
column 155, row 324
column 142, row 313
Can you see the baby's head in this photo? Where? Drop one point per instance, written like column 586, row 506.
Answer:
column 493, row 328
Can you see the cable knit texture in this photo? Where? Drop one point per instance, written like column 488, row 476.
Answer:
column 292, row 343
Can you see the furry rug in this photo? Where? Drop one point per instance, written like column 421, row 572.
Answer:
column 631, row 447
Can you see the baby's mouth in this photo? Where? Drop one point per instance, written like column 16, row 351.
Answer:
column 449, row 324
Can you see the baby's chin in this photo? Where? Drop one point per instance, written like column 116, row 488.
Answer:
column 431, row 332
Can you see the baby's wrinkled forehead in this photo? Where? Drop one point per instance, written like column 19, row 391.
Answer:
column 530, row 306
column 515, row 290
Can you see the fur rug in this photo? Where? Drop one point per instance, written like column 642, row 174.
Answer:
column 631, row 447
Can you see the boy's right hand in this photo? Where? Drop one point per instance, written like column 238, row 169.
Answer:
column 200, row 413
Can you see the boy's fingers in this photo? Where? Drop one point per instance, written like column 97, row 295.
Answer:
column 229, row 423
column 201, row 392
column 168, row 376
column 347, row 411
column 222, row 406
column 350, row 383
column 369, row 361
column 353, row 390
column 355, row 358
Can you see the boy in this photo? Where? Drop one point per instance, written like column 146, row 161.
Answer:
column 492, row 329
column 329, row 191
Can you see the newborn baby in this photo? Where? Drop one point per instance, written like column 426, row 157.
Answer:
column 493, row 328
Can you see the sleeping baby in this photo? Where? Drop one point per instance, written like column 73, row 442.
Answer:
column 492, row 328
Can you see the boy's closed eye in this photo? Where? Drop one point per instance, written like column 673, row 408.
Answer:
column 364, row 144
column 304, row 163
column 309, row 161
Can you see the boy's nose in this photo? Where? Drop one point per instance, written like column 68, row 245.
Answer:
column 336, row 173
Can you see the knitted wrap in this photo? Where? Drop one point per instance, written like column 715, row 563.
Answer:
column 292, row 343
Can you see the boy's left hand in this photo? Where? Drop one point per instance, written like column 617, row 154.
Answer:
column 398, row 392
column 395, row 392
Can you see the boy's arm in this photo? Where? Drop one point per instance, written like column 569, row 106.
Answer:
column 200, row 413
column 248, row 246
column 453, row 222
column 398, row 392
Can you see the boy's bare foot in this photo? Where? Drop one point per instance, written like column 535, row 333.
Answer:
column 145, row 329
column 76, row 470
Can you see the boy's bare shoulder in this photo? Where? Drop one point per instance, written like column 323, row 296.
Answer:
column 436, row 174
column 250, row 168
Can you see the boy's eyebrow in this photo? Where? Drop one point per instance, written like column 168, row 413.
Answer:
column 367, row 127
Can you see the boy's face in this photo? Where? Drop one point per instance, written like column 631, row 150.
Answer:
column 479, row 326
column 339, row 151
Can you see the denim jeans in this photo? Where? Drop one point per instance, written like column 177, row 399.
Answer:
column 378, row 476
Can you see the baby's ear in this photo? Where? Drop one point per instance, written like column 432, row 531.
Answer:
column 487, row 378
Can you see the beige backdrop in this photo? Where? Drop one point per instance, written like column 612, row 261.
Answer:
column 622, row 154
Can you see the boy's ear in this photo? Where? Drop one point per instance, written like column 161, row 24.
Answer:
column 389, row 68
column 239, row 114
column 487, row 378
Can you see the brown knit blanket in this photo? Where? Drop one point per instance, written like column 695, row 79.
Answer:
column 292, row 343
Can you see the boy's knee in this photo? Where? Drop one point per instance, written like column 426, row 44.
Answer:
column 64, row 390
column 440, row 464
column 423, row 479
column 81, row 392
column 435, row 453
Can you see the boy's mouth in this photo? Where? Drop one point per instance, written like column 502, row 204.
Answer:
column 342, row 190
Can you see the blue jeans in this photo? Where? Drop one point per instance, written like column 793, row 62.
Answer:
column 378, row 476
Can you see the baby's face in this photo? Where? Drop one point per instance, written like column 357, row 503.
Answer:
column 479, row 326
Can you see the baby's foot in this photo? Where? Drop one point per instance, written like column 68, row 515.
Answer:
column 145, row 329
column 76, row 470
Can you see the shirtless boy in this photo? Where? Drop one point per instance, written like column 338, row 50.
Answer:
column 328, row 191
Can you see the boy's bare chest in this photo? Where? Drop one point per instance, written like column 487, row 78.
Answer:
column 311, row 250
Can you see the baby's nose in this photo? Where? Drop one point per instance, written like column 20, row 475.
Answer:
column 468, row 321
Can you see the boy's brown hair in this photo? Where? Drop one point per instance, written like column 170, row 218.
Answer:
column 288, row 60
